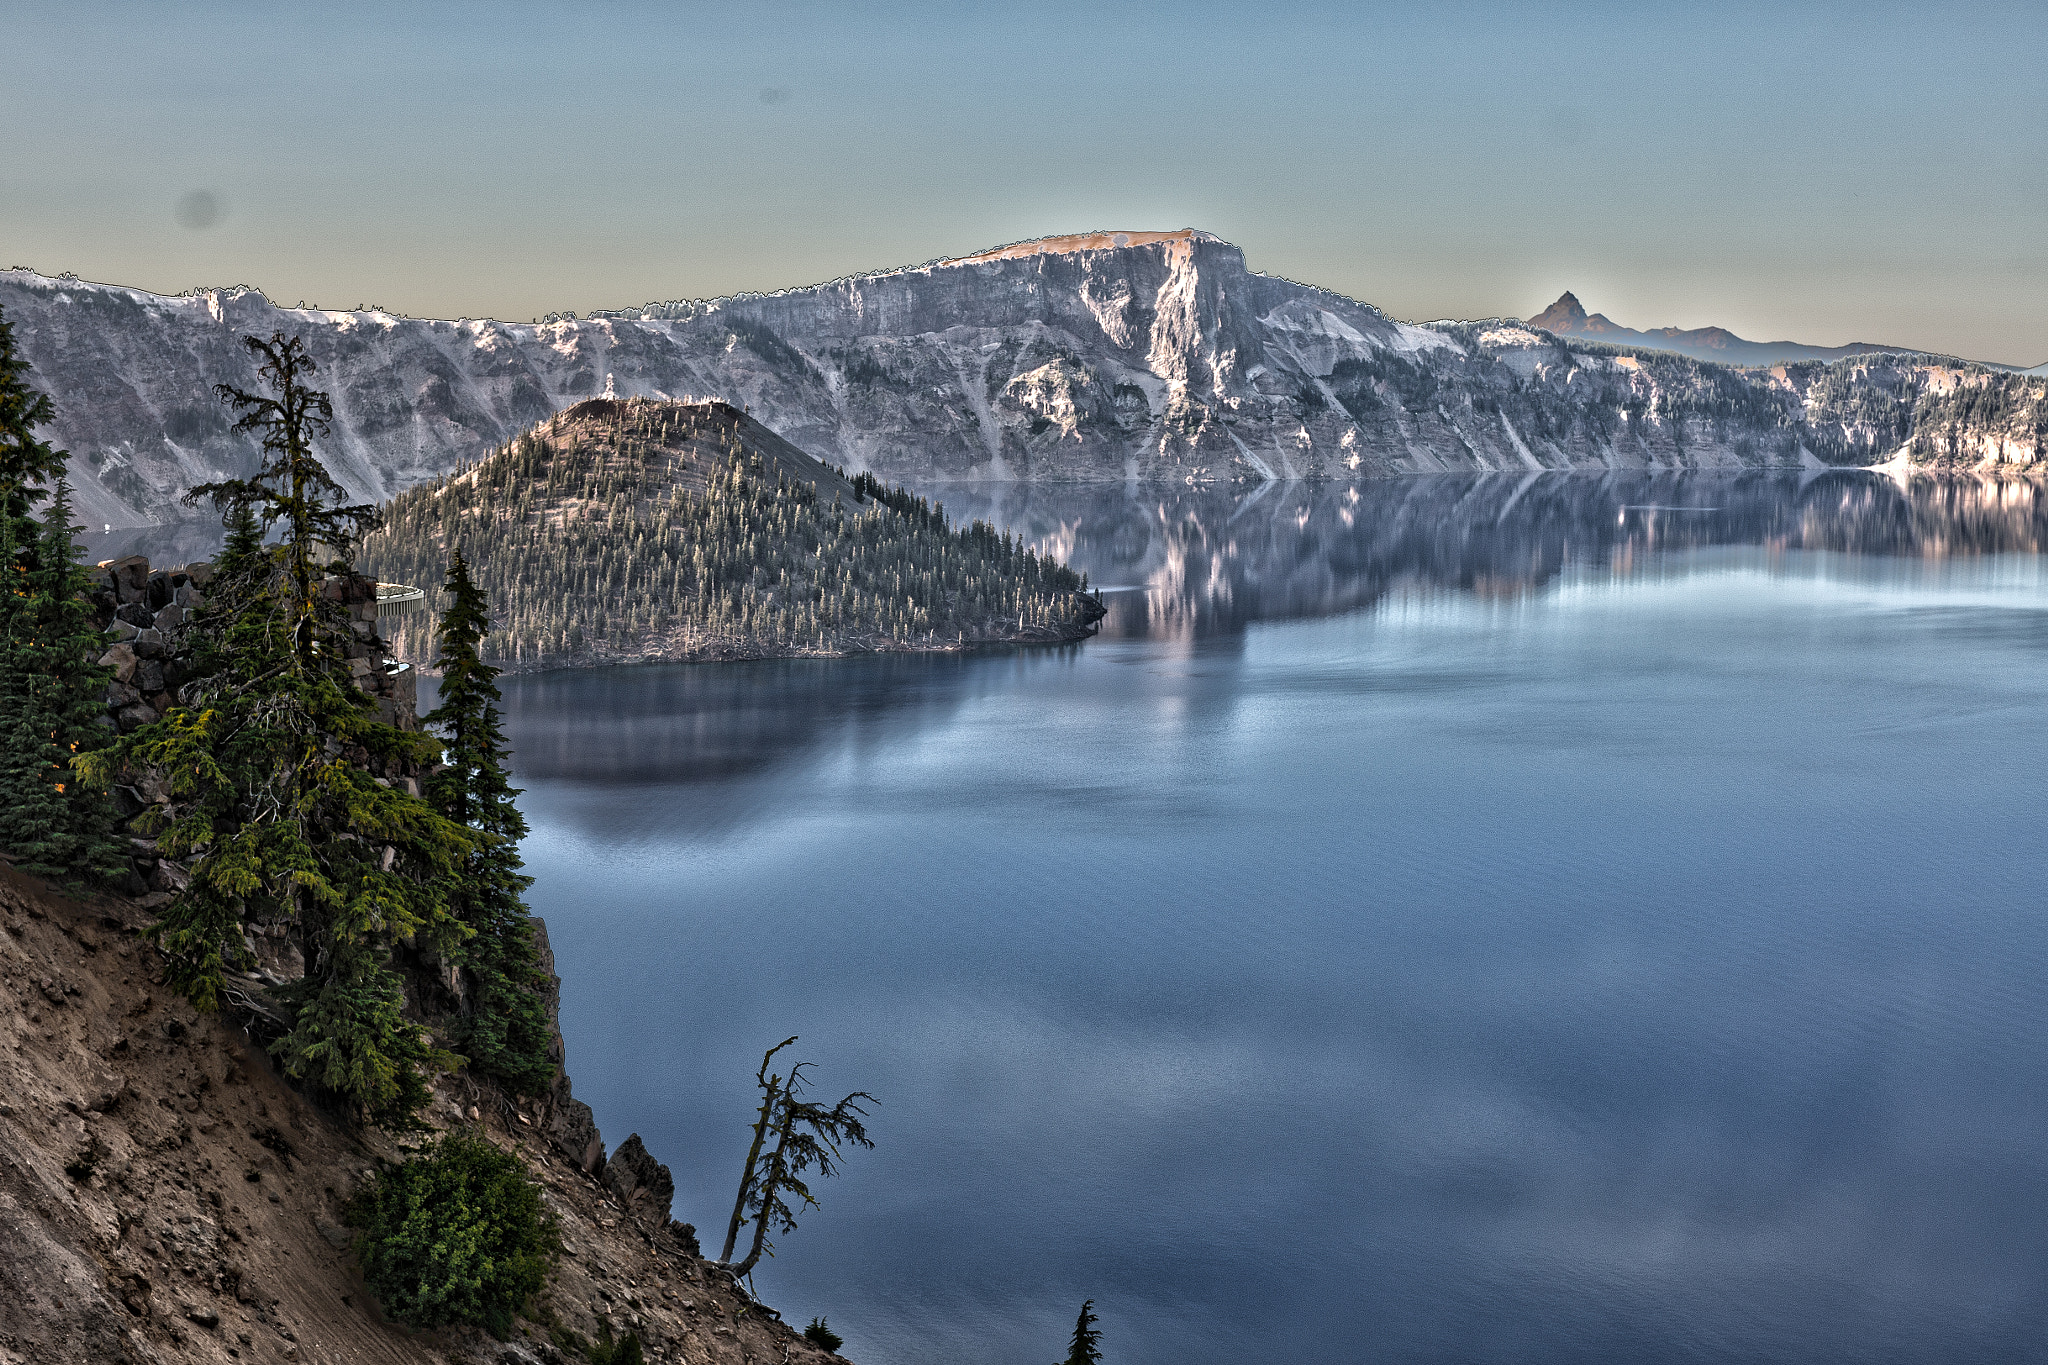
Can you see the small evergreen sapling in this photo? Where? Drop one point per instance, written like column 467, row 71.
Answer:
column 456, row 1235
column 1084, row 1349
column 624, row 1351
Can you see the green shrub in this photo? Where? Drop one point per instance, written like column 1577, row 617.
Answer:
column 607, row 1352
column 456, row 1235
column 819, row 1335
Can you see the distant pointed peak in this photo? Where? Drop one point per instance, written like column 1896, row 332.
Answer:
column 1566, row 315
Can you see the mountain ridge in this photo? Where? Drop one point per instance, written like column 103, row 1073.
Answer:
column 1068, row 358
column 1568, row 318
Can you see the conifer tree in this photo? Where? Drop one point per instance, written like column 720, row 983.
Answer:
column 54, row 822
column 271, row 761
column 51, row 690
column 1083, row 1350
column 26, row 462
column 505, row 1032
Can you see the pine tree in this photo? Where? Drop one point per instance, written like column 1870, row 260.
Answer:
column 51, row 690
column 1083, row 1349
column 272, row 762
column 55, row 823
column 26, row 462
column 505, row 1032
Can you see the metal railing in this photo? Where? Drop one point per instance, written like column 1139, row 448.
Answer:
column 398, row 599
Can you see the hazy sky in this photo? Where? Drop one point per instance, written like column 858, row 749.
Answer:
column 1824, row 173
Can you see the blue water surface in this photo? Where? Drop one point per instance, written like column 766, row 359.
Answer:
column 1478, row 921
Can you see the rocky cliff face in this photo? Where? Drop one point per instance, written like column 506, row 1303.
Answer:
column 1107, row 357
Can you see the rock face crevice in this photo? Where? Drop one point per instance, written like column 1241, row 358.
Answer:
column 1103, row 357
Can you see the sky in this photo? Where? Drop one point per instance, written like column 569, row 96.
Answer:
column 1819, row 173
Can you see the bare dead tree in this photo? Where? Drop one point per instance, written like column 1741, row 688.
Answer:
column 806, row 1137
column 771, row 1090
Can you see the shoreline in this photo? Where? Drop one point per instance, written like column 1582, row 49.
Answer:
column 731, row 652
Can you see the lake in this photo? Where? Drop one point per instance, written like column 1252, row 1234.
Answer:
column 1567, row 919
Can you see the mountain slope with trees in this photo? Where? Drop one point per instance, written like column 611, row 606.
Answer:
column 637, row 531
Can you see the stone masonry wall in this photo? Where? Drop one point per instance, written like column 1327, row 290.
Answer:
column 145, row 613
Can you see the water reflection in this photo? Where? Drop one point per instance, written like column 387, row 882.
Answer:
column 1198, row 567
column 1211, row 562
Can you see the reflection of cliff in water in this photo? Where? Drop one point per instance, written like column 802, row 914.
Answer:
column 1211, row 562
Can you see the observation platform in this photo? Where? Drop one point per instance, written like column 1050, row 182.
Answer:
column 399, row 599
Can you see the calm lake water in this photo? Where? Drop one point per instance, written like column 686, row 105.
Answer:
column 1478, row 920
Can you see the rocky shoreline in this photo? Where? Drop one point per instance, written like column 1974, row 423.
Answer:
column 727, row 650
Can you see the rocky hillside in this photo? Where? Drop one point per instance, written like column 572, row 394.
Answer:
column 637, row 531
column 1105, row 357
column 165, row 1196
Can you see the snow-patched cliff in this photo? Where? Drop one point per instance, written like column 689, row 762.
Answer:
column 1100, row 357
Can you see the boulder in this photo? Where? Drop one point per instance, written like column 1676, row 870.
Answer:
column 573, row 1128
column 569, row 1124
column 278, row 959
column 121, row 658
column 130, row 575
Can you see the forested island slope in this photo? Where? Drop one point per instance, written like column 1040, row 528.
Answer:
column 640, row 531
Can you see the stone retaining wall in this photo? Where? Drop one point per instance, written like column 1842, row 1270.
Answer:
column 145, row 613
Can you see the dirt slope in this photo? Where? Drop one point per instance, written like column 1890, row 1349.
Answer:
column 200, row 1217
